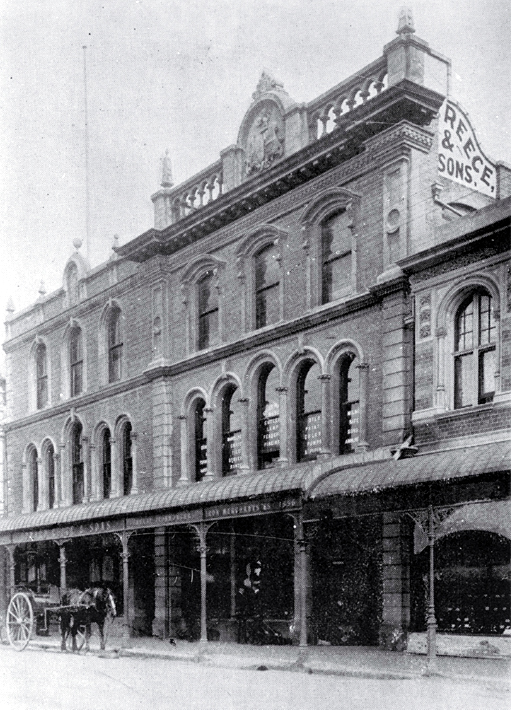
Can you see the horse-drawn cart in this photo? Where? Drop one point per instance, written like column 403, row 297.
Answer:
column 28, row 611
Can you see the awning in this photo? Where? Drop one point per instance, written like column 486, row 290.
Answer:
column 232, row 488
column 425, row 468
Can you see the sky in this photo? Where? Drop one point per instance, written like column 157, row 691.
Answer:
column 179, row 74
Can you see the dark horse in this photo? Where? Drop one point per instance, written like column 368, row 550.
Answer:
column 93, row 605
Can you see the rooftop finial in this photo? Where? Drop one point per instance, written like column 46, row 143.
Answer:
column 10, row 306
column 405, row 25
column 266, row 83
column 166, row 170
column 77, row 243
column 42, row 289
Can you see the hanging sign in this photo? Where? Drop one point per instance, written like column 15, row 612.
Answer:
column 459, row 156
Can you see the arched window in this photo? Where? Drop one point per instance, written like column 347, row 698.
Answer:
column 34, row 478
column 308, row 412
column 200, row 442
column 41, row 376
column 208, row 311
column 76, row 361
column 50, row 473
column 349, row 404
column 335, row 257
column 268, row 422
column 475, row 336
column 77, row 462
column 115, row 345
column 267, row 286
column 127, row 459
column 106, row 463
column 231, row 431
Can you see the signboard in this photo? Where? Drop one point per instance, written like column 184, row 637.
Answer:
column 234, row 510
column 460, row 158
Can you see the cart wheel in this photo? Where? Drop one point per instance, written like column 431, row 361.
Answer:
column 80, row 637
column 19, row 621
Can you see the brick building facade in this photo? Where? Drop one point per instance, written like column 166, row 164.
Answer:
column 248, row 409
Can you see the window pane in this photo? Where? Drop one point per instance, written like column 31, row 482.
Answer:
column 336, row 236
column 114, row 364
column 487, row 329
column 41, row 361
column 486, row 376
column 50, row 469
column 309, row 412
column 267, row 306
column 268, row 419
column 76, row 379
column 231, row 430
column 208, row 330
column 42, row 392
column 267, row 268
column 201, row 442
column 465, row 327
column 464, row 380
column 348, row 403
column 336, row 278
column 208, row 296
column 127, row 459
column 75, row 346
column 114, row 328
column 107, row 464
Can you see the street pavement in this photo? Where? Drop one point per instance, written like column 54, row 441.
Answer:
column 347, row 661
column 41, row 680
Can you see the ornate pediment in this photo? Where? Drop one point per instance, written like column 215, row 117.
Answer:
column 265, row 84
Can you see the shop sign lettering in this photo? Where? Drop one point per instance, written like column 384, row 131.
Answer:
column 232, row 510
column 460, row 158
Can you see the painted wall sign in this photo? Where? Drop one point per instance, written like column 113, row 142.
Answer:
column 92, row 528
column 459, row 156
column 162, row 519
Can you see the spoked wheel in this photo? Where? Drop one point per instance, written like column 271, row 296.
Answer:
column 19, row 622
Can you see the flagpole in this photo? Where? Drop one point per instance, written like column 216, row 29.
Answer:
column 87, row 187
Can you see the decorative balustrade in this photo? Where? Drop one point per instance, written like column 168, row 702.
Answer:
column 327, row 111
column 198, row 191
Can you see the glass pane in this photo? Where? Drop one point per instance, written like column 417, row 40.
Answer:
column 336, row 236
column 76, row 379
column 312, row 391
column 487, row 329
column 465, row 327
column 486, row 376
column 309, row 413
column 268, row 419
column 42, row 392
column 50, row 468
column 114, row 368
column 114, row 330
column 464, row 377
column 208, row 330
column 310, row 434
column 75, row 349
column 267, row 306
column 201, row 443
column 41, row 361
column 336, row 278
column 208, row 297
column 267, row 268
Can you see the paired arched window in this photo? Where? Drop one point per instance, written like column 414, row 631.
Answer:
column 33, row 466
column 268, row 420
column 127, row 458
column 475, row 335
column 106, row 463
column 41, row 364
column 76, row 361
column 335, row 256
column 115, row 344
column 231, row 430
column 208, row 312
column 267, row 301
column 200, row 442
column 308, row 411
column 77, row 462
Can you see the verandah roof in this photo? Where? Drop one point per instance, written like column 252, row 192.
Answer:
column 315, row 481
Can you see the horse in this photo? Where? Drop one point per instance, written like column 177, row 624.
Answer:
column 93, row 605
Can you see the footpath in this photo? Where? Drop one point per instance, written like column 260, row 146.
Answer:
column 354, row 661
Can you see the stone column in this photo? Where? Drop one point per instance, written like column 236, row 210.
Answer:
column 441, row 399
column 301, row 584
column 363, row 372
column 396, row 582
column 162, row 433
column 42, row 485
column 212, row 465
column 326, row 417
column 283, row 442
column 86, row 470
column 245, row 466
column 95, row 493
column 124, row 537
column 134, row 465
column 65, row 479
column 201, row 530
column 115, row 470
column 184, row 478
